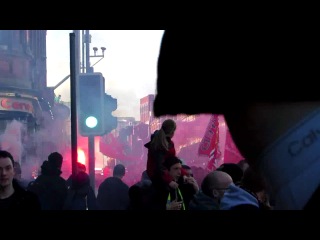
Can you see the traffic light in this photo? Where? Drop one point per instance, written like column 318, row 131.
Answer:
column 91, row 117
column 110, row 105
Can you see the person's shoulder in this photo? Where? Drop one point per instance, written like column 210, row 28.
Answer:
column 245, row 207
column 106, row 181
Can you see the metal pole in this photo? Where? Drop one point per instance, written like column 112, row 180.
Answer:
column 90, row 138
column 87, row 36
column 91, row 161
column 83, row 52
column 73, row 91
column 77, row 51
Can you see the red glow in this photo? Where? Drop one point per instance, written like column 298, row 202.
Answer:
column 81, row 156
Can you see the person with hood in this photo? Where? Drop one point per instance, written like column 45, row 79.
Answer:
column 213, row 188
column 50, row 187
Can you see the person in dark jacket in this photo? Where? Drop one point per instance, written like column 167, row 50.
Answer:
column 80, row 168
column 113, row 193
column 50, row 187
column 12, row 195
column 80, row 194
column 142, row 194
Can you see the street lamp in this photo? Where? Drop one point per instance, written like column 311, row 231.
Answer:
column 95, row 49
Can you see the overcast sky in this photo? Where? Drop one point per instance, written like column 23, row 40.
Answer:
column 129, row 65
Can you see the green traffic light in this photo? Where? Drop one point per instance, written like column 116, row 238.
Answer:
column 91, row 122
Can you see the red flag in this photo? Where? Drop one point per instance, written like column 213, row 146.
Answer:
column 209, row 144
column 210, row 140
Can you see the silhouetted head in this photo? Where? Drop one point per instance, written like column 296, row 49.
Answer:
column 119, row 171
column 233, row 170
column 169, row 127
column 55, row 159
column 215, row 184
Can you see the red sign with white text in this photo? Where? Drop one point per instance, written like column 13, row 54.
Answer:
column 14, row 104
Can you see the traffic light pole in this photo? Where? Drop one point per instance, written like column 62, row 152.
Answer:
column 91, row 149
column 73, row 90
column 91, row 161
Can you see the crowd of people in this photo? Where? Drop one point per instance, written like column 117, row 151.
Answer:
column 276, row 133
column 166, row 184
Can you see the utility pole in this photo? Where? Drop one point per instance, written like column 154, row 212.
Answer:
column 73, row 93
column 91, row 148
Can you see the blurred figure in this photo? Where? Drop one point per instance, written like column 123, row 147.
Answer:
column 142, row 194
column 213, row 188
column 113, row 193
column 80, row 168
column 12, row 195
column 80, row 194
column 251, row 193
column 50, row 187
column 188, row 170
column 199, row 173
column 17, row 170
column 233, row 170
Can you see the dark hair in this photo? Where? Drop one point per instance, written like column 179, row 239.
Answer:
column 253, row 180
column 55, row 159
column 81, row 179
column 234, row 170
column 170, row 161
column 119, row 170
column 6, row 154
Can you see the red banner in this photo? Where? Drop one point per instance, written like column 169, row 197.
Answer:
column 209, row 143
